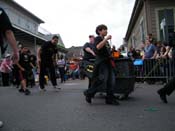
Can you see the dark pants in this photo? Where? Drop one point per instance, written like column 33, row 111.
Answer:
column 5, row 79
column 87, row 66
column 169, row 87
column 62, row 72
column 16, row 78
column 51, row 71
column 103, row 78
column 173, row 52
column 89, row 85
column 30, row 78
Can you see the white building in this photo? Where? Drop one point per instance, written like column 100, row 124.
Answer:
column 26, row 25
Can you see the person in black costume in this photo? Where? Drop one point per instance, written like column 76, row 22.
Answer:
column 89, row 53
column 89, row 49
column 47, row 60
column 24, row 66
column 103, row 74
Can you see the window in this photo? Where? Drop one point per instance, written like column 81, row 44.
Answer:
column 166, row 22
column 19, row 20
column 142, row 31
column 133, row 41
column 27, row 25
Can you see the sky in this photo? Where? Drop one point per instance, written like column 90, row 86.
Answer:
column 75, row 20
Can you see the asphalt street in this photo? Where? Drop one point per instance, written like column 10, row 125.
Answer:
column 67, row 110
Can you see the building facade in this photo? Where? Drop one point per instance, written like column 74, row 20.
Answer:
column 155, row 17
column 75, row 53
column 26, row 26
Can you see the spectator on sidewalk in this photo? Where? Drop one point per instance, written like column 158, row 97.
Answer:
column 170, row 86
column 61, row 66
column 132, row 53
column 149, row 50
column 5, row 69
column 34, row 69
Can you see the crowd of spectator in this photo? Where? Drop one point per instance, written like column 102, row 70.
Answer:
column 151, row 50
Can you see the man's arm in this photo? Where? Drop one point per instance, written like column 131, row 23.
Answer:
column 54, row 59
column 155, row 52
column 90, row 51
column 32, row 65
column 12, row 41
column 39, row 55
column 20, row 67
column 39, row 58
column 7, row 28
column 103, row 42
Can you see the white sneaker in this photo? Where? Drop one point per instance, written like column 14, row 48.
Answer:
column 56, row 87
column 43, row 90
column 1, row 124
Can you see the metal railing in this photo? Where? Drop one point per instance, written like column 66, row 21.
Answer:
column 154, row 69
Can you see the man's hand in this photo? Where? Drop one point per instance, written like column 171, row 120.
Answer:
column 38, row 61
column 93, row 53
column 109, row 37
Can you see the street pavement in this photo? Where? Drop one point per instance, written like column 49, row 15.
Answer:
column 67, row 110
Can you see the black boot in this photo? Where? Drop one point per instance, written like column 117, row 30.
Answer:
column 88, row 97
column 21, row 90
column 27, row 92
column 162, row 96
column 111, row 101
